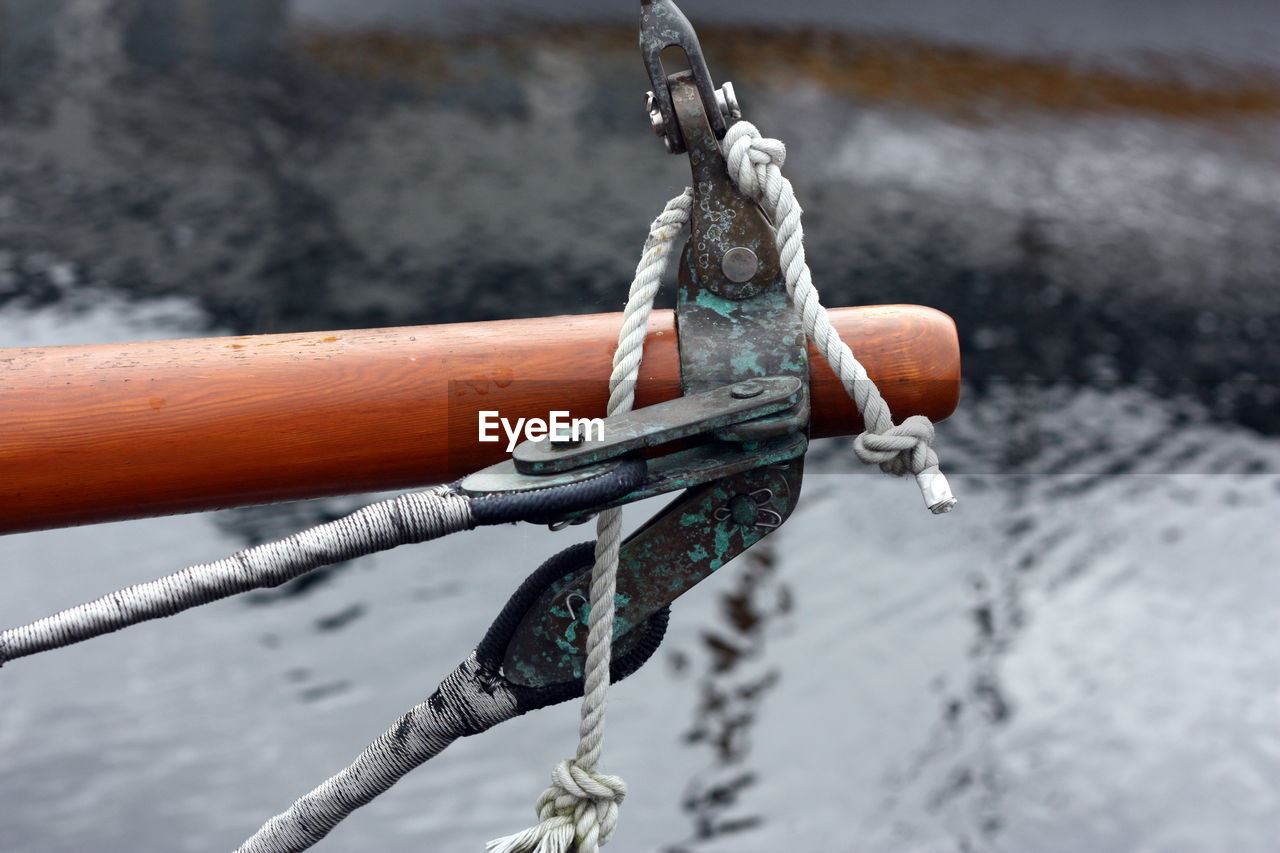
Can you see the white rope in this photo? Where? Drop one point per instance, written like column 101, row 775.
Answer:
column 755, row 164
column 579, row 811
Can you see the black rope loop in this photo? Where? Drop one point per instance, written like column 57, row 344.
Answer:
column 543, row 506
column 490, row 652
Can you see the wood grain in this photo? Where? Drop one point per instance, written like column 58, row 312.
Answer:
column 115, row 431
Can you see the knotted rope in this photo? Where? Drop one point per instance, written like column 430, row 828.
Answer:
column 579, row 811
column 755, row 164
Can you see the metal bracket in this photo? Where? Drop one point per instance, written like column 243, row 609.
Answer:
column 732, row 330
column 663, row 25
column 693, row 414
column 736, row 327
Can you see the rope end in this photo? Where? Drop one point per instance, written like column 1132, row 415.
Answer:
column 556, row 836
column 936, row 490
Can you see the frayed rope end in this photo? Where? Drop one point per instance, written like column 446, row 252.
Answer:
column 554, row 835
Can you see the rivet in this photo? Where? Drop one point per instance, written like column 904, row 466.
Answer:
column 739, row 264
column 742, row 510
column 746, row 390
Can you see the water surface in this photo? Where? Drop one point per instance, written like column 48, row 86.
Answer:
column 1082, row 657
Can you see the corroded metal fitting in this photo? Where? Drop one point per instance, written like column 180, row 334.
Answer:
column 726, row 102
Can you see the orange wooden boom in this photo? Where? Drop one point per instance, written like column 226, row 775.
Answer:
column 115, row 431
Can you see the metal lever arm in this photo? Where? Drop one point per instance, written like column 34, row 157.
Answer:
column 539, row 465
column 694, row 414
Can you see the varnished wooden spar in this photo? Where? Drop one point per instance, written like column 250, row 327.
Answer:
column 116, row 431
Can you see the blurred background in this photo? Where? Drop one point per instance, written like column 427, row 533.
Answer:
column 1083, row 657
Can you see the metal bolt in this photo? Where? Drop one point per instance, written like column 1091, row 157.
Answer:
column 746, row 390
column 565, row 440
column 739, row 264
column 656, row 122
column 742, row 510
column 750, row 510
column 727, row 100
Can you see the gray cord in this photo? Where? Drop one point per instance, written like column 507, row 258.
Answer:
column 416, row 517
column 460, row 706
column 472, row 699
column 409, row 518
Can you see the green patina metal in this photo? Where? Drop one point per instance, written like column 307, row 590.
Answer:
column 743, row 479
column 705, row 463
column 661, row 561
column 692, row 414
column 731, row 331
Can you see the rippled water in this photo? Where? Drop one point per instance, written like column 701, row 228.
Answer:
column 1082, row 657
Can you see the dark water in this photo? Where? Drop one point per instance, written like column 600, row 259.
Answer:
column 1083, row 657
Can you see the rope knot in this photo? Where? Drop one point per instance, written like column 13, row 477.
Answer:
column 907, row 447
column 579, row 811
column 750, row 156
